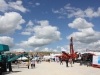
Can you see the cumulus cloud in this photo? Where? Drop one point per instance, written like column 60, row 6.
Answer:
column 95, row 45
column 10, row 22
column 26, row 33
column 44, row 34
column 29, row 28
column 86, row 36
column 7, row 41
column 80, row 23
column 70, row 11
column 4, row 6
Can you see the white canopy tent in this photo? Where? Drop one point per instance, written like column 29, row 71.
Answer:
column 22, row 58
column 35, row 58
column 53, row 55
column 46, row 57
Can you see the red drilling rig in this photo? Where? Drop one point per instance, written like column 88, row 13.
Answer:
column 72, row 54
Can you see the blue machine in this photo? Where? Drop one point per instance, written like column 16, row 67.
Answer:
column 4, row 48
column 5, row 60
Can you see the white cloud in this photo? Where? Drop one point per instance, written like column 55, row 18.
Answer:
column 95, row 45
column 3, row 5
column 43, row 35
column 19, row 50
column 10, row 22
column 69, row 12
column 61, row 17
column 24, row 44
column 55, row 11
column 7, row 41
column 36, row 49
column 60, row 48
column 91, row 13
column 29, row 28
column 55, row 50
column 30, row 24
column 37, row 4
column 85, row 36
column 17, row 6
column 45, row 50
column 12, row 5
column 26, row 33
column 80, row 23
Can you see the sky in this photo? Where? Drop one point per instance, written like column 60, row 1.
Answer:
column 48, row 25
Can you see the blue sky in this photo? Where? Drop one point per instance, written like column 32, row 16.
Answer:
column 47, row 25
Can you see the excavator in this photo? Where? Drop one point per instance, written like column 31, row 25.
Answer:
column 72, row 54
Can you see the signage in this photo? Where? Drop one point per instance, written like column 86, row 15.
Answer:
column 96, row 60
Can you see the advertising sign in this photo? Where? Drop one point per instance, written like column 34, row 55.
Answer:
column 96, row 60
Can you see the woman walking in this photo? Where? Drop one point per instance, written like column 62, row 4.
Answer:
column 28, row 64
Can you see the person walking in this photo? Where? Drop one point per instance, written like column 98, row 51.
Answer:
column 31, row 64
column 28, row 64
column 60, row 59
column 73, row 60
column 88, row 62
column 70, row 61
column 67, row 62
column 34, row 63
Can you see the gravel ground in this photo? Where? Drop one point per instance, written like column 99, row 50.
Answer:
column 54, row 68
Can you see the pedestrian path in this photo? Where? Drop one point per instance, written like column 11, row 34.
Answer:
column 54, row 68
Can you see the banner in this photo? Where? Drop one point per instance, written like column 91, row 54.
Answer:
column 96, row 60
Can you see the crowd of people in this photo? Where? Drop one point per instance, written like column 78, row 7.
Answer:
column 59, row 59
column 69, row 62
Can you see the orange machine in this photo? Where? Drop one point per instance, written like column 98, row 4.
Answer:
column 72, row 54
column 65, row 55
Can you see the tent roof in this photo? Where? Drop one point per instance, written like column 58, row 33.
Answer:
column 22, row 58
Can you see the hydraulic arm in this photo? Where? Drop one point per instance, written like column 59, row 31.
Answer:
column 16, row 57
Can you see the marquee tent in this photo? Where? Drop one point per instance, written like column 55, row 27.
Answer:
column 22, row 58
